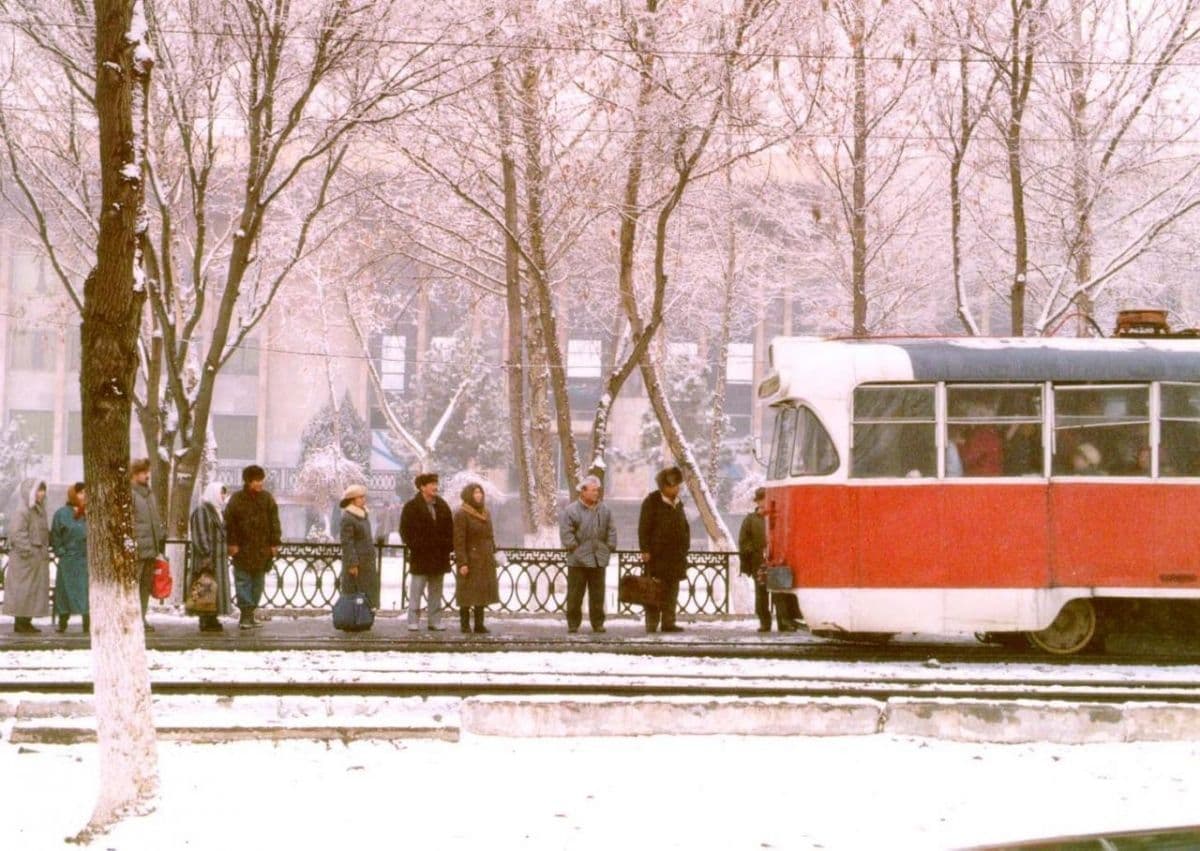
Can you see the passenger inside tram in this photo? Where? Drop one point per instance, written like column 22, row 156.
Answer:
column 1085, row 461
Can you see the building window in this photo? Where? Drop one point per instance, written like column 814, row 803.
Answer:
column 28, row 276
column 74, row 432
column 35, row 426
column 392, row 362
column 739, row 369
column 583, row 358
column 31, row 350
column 237, row 436
column 243, row 360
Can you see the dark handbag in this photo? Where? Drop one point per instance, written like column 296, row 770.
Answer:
column 353, row 612
column 637, row 589
column 201, row 595
column 779, row 578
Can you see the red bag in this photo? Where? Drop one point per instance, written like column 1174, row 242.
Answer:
column 160, row 587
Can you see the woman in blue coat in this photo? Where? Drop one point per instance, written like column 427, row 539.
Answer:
column 68, row 540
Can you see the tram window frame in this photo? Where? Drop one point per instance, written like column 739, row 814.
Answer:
column 820, row 455
column 918, row 426
column 1007, row 427
column 1178, row 421
column 784, row 415
column 1114, row 458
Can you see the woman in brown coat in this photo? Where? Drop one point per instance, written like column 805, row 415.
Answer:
column 475, row 558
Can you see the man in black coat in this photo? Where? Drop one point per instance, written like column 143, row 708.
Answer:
column 752, row 545
column 427, row 529
column 663, row 538
column 253, row 535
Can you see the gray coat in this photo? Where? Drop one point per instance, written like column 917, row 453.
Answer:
column 358, row 550
column 209, row 548
column 27, row 577
column 147, row 528
column 588, row 534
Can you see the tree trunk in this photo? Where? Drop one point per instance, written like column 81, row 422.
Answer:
column 111, row 313
column 1021, row 50
column 858, row 213
column 514, row 373
column 541, row 438
column 1081, row 177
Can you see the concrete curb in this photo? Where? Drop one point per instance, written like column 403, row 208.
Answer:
column 51, row 719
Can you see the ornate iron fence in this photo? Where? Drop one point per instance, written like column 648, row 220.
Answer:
column 532, row 581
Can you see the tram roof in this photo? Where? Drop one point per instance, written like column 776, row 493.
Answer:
column 798, row 360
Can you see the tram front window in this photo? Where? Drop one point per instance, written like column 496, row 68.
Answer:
column 1102, row 431
column 894, row 432
column 1179, row 451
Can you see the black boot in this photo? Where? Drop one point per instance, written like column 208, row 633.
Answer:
column 479, row 627
column 246, row 620
column 87, row 623
column 61, row 626
column 25, row 626
column 464, row 619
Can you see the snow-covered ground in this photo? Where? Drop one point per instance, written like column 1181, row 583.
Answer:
column 871, row 792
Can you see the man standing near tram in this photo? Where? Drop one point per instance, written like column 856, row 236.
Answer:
column 752, row 548
column 590, row 538
column 663, row 539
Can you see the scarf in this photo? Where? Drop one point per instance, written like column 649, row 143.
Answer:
column 360, row 513
column 478, row 514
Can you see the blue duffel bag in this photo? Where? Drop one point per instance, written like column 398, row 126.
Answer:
column 353, row 613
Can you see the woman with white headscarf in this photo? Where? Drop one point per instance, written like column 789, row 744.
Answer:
column 27, row 578
column 209, row 553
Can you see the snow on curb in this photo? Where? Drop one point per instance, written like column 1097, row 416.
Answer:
column 600, row 716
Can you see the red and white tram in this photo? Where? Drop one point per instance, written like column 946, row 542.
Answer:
column 1016, row 487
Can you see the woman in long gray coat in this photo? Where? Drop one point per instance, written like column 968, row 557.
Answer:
column 476, row 585
column 209, row 551
column 358, row 546
column 27, row 577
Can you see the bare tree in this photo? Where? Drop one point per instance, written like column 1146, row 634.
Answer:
column 112, row 304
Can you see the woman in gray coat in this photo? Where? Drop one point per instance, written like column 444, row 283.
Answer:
column 209, row 551
column 27, row 577
column 475, row 559
column 358, row 547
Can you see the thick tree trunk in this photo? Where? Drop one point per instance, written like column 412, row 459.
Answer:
column 541, row 439
column 111, row 313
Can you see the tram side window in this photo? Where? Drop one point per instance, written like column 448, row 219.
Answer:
column 993, row 430
column 781, row 448
column 814, row 454
column 894, row 432
column 1102, row 431
column 1179, row 451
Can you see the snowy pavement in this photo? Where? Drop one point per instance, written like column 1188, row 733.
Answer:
column 726, row 793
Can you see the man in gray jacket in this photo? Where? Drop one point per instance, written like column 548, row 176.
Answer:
column 589, row 537
column 148, row 530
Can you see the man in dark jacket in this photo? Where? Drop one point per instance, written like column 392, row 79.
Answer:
column 148, row 531
column 752, row 546
column 253, row 536
column 427, row 529
column 663, row 538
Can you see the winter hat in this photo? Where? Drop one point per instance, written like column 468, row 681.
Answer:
column 352, row 493
column 424, row 479
column 468, row 494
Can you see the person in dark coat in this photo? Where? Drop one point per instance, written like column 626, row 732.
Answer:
column 27, row 576
column 475, row 586
column 358, row 546
column 663, row 538
column 252, row 536
column 210, row 552
column 752, row 546
column 68, row 540
column 590, row 538
column 148, row 532
column 427, row 529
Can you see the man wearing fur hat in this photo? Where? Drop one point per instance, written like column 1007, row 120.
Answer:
column 358, row 546
column 427, row 529
column 253, row 534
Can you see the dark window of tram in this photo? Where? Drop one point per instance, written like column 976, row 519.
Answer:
column 993, row 430
column 781, row 448
column 894, row 434
column 1179, row 452
column 814, row 454
column 1102, row 431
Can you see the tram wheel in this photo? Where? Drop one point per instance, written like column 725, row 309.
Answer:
column 1071, row 631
